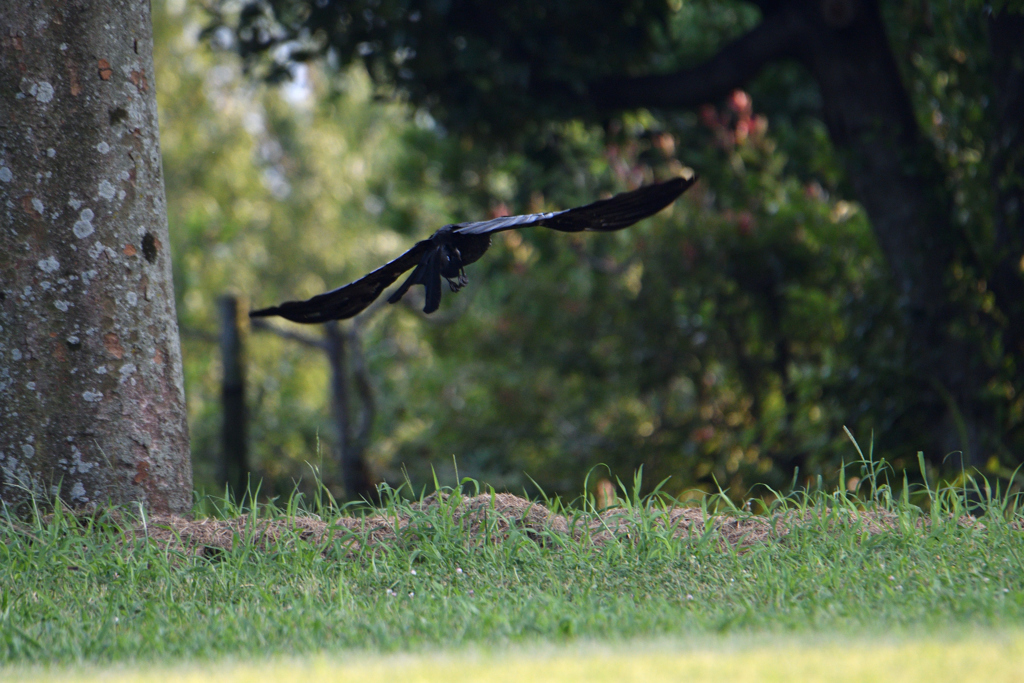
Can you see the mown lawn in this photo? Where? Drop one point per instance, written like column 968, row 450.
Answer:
column 993, row 657
column 76, row 592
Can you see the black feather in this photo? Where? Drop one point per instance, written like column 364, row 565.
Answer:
column 450, row 249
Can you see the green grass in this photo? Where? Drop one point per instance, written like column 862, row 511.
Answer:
column 979, row 656
column 74, row 591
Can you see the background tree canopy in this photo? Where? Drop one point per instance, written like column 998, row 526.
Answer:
column 852, row 255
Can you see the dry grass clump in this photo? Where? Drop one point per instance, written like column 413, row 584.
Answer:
column 487, row 518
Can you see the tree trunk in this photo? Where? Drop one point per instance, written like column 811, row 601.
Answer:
column 92, row 404
column 897, row 177
column 1006, row 38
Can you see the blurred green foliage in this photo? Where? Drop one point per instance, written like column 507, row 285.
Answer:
column 271, row 196
column 722, row 343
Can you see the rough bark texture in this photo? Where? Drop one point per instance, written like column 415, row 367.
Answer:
column 891, row 166
column 92, row 405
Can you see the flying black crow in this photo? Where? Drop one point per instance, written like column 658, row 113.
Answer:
column 450, row 249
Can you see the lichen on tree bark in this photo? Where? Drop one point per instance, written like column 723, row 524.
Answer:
column 92, row 404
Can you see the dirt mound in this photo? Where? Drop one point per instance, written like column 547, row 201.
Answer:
column 484, row 519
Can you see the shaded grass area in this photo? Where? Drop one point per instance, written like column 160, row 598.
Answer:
column 80, row 589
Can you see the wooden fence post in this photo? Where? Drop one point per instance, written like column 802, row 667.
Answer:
column 353, row 469
column 233, row 466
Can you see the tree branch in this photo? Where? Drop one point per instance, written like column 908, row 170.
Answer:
column 304, row 339
column 776, row 37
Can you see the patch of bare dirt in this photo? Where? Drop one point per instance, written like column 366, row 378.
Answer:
column 485, row 519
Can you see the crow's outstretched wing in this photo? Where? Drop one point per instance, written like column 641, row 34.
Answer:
column 453, row 246
column 606, row 215
column 353, row 298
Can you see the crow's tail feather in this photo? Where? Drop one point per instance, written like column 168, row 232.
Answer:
column 428, row 274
